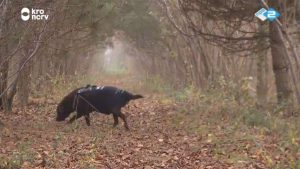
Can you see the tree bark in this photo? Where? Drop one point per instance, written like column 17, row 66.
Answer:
column 24, row 81
column 3, row 84
column 24, row 74
column 298, row 12
column 3, row 51
column 280, row 66
column 262, row 85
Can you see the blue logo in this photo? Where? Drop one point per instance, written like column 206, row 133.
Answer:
column 270, row 14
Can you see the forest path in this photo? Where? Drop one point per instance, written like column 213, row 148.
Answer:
column 152, row 141
column 33, row 139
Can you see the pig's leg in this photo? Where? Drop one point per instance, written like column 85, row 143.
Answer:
column 123, row 117
column 116, row 120
column 87, row 119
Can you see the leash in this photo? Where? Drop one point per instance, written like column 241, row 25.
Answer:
column 90, row 104
column 77, row 98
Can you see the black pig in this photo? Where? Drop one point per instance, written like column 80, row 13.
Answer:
column 104, row 99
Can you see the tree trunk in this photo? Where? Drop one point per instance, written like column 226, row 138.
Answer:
column 298, row 12
column 3, row 48
column 280, row 66
column 24, row 81
column 262, row 85
column 3, row 84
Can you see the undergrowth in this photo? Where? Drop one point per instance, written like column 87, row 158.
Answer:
column 230, row 109
column 225, row 112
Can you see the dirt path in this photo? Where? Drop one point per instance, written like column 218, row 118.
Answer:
column 162, row 135
column 34, row 139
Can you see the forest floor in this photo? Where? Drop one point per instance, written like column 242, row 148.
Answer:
column 160, row 136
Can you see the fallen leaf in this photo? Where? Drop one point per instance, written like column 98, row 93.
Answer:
column 148, row 167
